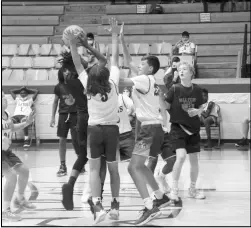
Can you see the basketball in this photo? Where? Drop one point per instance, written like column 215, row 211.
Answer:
column 75, row 28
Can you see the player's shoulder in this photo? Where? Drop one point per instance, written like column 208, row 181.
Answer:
column 197, row 87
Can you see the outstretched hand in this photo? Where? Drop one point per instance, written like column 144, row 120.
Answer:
column 72, row 36
column 114, row 28
column 83, row 39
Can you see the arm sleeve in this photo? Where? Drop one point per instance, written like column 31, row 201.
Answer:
column 141, row 83
column 83, row 77
column 114, row 74
column 170, row 95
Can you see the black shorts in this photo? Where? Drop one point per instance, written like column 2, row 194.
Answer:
column 126, row 145
column 149, row 140
column 10, row 160
column 66, row 121
column 18, row 119
column 103, row 140
column 166, row 148
column 178, row 138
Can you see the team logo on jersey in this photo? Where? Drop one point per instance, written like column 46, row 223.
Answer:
column 156, row 90
column 187, row 103
column 120, row 109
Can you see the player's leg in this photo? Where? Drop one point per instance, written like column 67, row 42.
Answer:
column 8, row 191
column 62, row 132
column 68, row 188
column 111, row 139
column 193, row 148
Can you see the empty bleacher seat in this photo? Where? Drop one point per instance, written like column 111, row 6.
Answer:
column 21, row 62
column 45, row 49
column 5, row 62
column 134, row 48
column 124, row 73
column 166, row 48
column 164, row 61
column 53, row 75
column 155, row 48
column 17, row 75
column 34, row 49
column 109, row 46
column 33, row 74
column 136, row 60
column 44, row 62
column 144, row 49
column 186, row 58
column 121, row 61
column 24, row 49
column 56, row 50
column 9, row 49
column 6, row 74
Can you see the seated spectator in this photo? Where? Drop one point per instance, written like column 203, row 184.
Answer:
column 90, row 57
column 171, row 75
column 208, row 117
column 184, row 46
column 24, row 108
column 244, row 130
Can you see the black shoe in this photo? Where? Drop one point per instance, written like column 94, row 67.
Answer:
column 161, row 203
column 147, row 215
column 62, row 171
column 89, row 201
column 67, row 192
column 242, row 142
column 26, row 143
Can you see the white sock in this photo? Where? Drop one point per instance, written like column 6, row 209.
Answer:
column 116, row 198
column 96, row 199
column 26, row 137
column 158, row 194
column 20, row 196
column 148, row 203
column 6, row 205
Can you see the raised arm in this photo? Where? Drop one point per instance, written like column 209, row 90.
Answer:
column 14, row 92
column 127, row 56
column 74, row 52
column 83, row 40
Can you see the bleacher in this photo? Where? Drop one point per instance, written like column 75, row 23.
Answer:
column 31, row 37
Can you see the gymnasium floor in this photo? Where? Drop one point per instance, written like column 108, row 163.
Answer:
column 224, row 177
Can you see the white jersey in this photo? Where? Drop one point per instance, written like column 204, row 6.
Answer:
column 6, row 132
column 145, row 95
column 101, row 110
column 23, row 106
column 125, row 107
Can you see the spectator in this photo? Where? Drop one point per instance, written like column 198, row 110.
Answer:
column 244, row 130
column 23, row 108
column 171, row 75
column 208, row 117
column 184, row 46
column 90, row 58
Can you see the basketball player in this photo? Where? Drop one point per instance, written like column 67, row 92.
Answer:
column 184, row 102
column 148, row 143
column 15, row 172
column 77, row 96
column 103, row 134
column 67, row 118
column 23, row 108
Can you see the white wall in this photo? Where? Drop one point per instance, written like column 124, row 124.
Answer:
column 234, row 108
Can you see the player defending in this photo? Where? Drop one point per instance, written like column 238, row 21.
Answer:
column 15, row 172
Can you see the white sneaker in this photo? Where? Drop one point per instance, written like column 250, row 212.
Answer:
column 114, row 212
column 174, row 194
column 86, row 194
column 22, row 204
column 193, row 193
column 163, row 185
column 7, row 215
